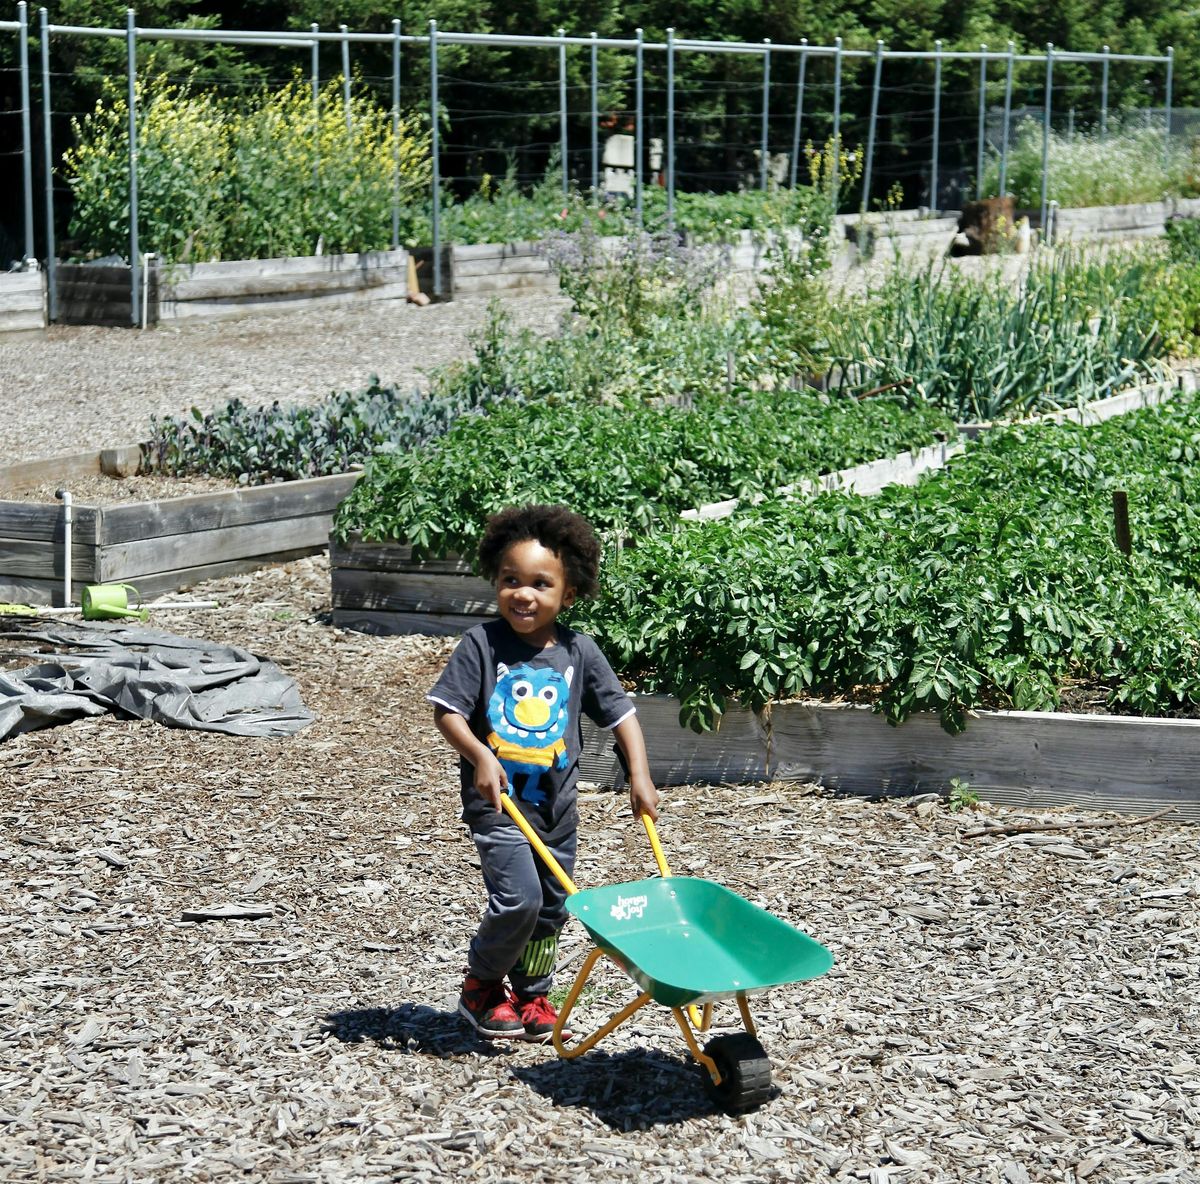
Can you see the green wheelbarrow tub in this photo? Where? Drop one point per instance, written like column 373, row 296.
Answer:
column 686, row 940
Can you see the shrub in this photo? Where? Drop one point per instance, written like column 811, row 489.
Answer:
column 1088, row 169
column 220, row 178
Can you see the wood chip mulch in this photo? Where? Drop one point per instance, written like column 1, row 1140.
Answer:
column 228, row 958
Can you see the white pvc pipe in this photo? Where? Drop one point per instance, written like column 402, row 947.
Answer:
column 146, row 283
column 68, row 520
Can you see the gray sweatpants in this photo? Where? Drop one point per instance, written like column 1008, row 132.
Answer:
column 525, row 903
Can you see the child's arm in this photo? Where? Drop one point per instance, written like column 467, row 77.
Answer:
column 490, row 778
column 643, row 797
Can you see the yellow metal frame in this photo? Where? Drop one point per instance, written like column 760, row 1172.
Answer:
column 691, row 1019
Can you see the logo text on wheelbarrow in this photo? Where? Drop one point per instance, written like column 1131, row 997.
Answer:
column 628, row 907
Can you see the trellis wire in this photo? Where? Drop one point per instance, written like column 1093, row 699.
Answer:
column 673, row 45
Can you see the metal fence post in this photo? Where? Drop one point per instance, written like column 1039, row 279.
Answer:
column 48, row 150
column 866, row 191
column 937, row 127
column 1167, row 112
column 1008, row 83
column 637, row 133
column 982, row 122
column 1104, row 96
column 26, row 131
column 799, row 108
column 562, row 109
column 135, row 263
column 837, row 119
column 395, row 135
column 595, row 121
column 1046, row 134
column 315, row 71
column 765, row 138
column 671, row 129
column 346, row 76
column 435, row 217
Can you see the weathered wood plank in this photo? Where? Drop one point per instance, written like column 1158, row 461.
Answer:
column 179, row 275
column 22, row 281
column 486, row 285
column 24, row 473
column 264, row 305
column 182, row 578
column 390, row 557
column 512, row 265
column 23, row 321
column 22, row 300
column 314, row 281
column 28, row 590
column 1018, row 758
column 37, row 559
column 736, row 752
column 405, row 592
column 391, row 624
column 132, row 560
column 42, row 522
column 197, row 513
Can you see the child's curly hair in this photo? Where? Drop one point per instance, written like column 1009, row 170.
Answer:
column 569, row 535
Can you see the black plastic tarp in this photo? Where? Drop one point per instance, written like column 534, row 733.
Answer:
column 183, row 682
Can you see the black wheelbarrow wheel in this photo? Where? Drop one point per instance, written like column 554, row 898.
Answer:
column 745, row 1072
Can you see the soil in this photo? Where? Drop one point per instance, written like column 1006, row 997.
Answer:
column 112, row 491
column 1006, row 1007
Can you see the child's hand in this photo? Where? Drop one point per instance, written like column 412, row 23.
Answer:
column 490, row 779
column 643, row 797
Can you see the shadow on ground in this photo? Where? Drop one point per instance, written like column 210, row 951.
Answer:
column 630, row 1090
column 411, row 1027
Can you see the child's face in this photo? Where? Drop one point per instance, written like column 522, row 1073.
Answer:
column 532, row 589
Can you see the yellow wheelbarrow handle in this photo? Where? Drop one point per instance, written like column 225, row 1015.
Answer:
column 556, row 868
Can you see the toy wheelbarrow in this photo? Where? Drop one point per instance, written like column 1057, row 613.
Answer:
column 687, row 943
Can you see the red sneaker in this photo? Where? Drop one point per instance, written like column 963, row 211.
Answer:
column 485, row 1005
column 538, row 1018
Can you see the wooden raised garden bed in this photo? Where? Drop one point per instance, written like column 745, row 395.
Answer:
column 379, row 588
column 1015, row 758
column 22, row 305
column 158, row 546
column 90, row 294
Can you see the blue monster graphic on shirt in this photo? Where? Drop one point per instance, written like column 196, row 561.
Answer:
column 529, row 719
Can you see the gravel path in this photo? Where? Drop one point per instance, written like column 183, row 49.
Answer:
column 1003, row 1009
column 84, row 387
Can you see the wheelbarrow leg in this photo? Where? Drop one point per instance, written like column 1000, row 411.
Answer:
column 738, row 1071
column 589, row 1042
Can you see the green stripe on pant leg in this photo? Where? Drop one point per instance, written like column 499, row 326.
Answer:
column 538, row 957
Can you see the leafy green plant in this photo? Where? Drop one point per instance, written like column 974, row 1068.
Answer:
column 259, row 444
column 263, row 177
column 1089, row 169
column 658, row 459
column 987, row 585
column 961, row 796
column 982, row 350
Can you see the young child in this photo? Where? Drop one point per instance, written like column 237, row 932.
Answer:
column 509, row 702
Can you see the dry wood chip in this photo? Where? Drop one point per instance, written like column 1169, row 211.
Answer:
column 229, row 912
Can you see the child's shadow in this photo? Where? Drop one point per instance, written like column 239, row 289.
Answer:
column 631, row 1090
column 411, row 1027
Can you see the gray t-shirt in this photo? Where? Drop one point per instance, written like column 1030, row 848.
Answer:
column 526, row 704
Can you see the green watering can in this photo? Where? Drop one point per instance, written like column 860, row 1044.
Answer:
column 105, row 602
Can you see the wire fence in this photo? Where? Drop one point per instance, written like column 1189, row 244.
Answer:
column 615, row 113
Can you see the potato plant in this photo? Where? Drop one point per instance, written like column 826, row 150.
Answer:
column 990, row 584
